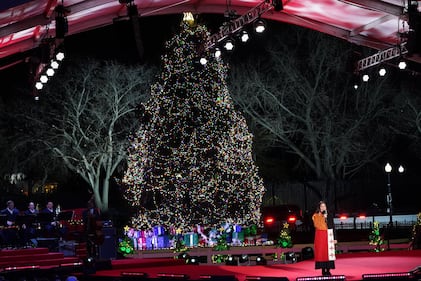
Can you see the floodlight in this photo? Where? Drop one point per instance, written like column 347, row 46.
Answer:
column 60, row 56
column 39, row 85
column 54, row 64
column 259, row 26
column 244, row 36
column 366, row 77
column 382, row 71
column 402, row 65
column 229, row 45
column 43, row 79
column 203, row 61
column 50, row 72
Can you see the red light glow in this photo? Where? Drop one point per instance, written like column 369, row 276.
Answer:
column 343, row 217
column 292, row 219
column 269, row 220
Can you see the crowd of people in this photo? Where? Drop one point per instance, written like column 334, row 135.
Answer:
column 17, row 228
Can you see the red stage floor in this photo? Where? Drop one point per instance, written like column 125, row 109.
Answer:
column 352, row 265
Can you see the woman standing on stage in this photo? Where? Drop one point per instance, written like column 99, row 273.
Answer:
column 324, row 240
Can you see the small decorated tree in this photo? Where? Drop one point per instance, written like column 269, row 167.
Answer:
column 284, row 239
column 416, row 233
column 376, row 238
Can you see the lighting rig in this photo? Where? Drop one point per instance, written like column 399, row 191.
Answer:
column 237, row 24
column 410, row 42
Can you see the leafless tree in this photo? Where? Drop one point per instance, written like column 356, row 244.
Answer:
column 299, row 93
column 84, row 119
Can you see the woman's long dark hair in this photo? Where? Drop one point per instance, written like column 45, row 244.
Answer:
column 318, row 206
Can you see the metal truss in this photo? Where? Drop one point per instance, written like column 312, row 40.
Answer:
column 236, row 24
column 382, row 56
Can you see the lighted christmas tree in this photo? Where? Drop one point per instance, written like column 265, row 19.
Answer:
column 191, row 162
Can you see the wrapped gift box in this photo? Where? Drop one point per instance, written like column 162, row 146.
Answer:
column 158, row 230
column 191, row 239
column 163, row 242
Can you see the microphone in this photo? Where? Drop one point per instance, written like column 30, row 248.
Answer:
column 323, row 212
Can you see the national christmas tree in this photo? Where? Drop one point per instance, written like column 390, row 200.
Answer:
column 191, row 162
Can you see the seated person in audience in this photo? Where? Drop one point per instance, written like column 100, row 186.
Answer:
column 29, row 226
column 48, row 219
column 9, row 233
column 31, row 209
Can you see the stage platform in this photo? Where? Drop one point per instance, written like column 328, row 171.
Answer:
column 351, row 265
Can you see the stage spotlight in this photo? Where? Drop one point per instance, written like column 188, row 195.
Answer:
column 231, row 261
column 277, row 5
column 356, row 86
column 244, row 36
column 402, row 65
column 60, row 56
column 244, row 258
column 261, row 261
column 229, row 45
column 366, row 77
column 183, row 256
column 307, row 253
column 36, row 98
column 54, row 64
column 192, row 260
column 89, row 266
column 39, row 86
column 290, row 257
column 43, row 79
column 217, row 52
column 203, row 61
column 382, row 71
column 50, row 72
column 259, row 26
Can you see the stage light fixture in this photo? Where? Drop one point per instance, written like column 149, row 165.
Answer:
column 244, row 36
column 231, row 261
column 382, row 72
column 307, row 253
column 388, row 276
column 60, row 56
column 402, row 65
column 366, row 77
column 218, row 277
column 261, row 261
column 43, row 79
column 39, row 86
column 218, row 53
column 322, row 278
column 203, row 61
column 266, row 278
column 192, row 260
column 36, row 98
column 259, row 26
column 183, row 256
column 229, row 45
column 244, row 258
column 290, row 257
column 50, row 72
column 172, row 276
column 356, row 86
column 54, row 64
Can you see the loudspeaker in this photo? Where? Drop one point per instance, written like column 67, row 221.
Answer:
column 108, row 249
column 307, row 253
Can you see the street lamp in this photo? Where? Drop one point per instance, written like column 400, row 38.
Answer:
column 388, row 169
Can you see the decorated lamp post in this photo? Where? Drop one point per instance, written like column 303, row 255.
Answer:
column 388, row 169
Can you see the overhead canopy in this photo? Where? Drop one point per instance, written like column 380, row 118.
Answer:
column 372, row 23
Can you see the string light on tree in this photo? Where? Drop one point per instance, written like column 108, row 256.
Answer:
column 191, row 161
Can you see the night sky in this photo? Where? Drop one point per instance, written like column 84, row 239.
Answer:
column 117, row 42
